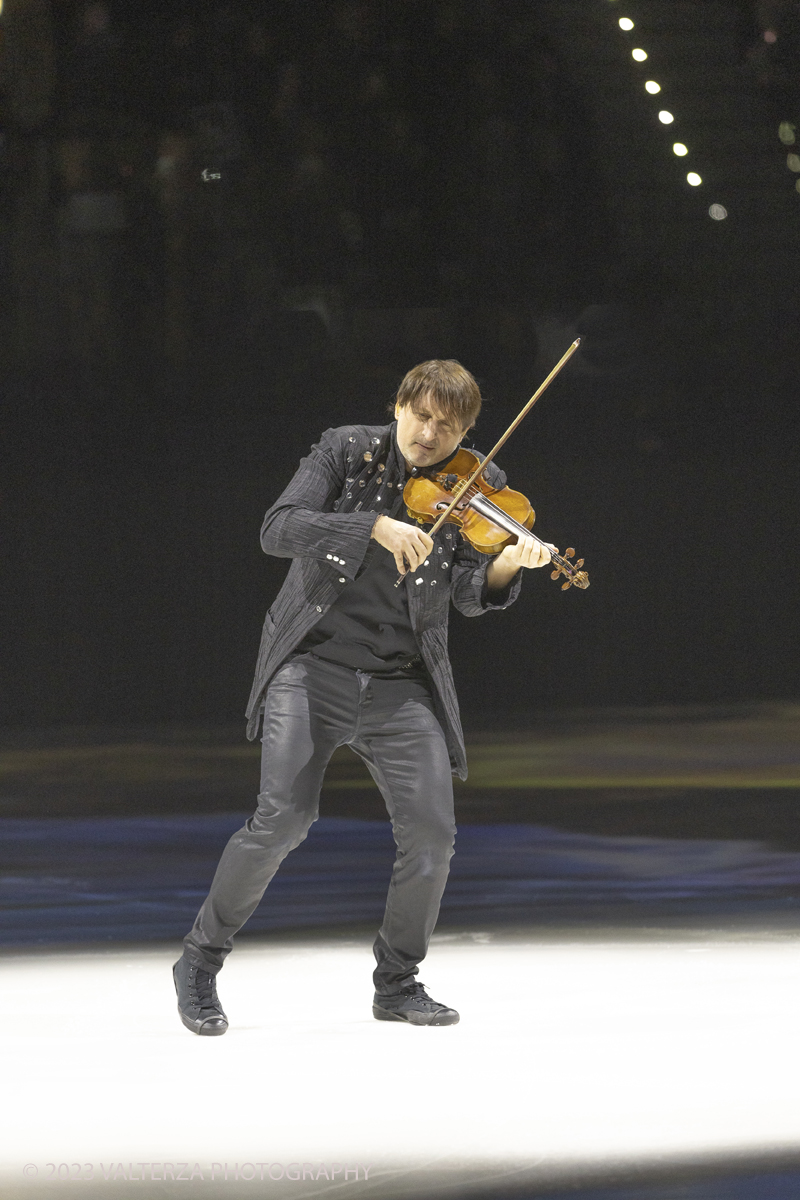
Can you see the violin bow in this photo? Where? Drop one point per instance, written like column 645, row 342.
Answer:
column 520, row 416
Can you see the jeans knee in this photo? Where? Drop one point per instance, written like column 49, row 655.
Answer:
column 436, row 839
column 287, row 827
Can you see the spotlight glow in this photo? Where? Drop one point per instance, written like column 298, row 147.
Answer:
column 797, row 184
column 625, row 23
column 652, row 87
column 793, row 162
column 679, row 149
column 666, row 118
column 694, row 179
column 717, row 212
column 639, row 55
column 786, row 133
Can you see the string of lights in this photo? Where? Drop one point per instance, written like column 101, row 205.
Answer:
column 787, row 132
column 717, row 212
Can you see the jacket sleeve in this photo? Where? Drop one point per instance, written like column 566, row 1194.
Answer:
column 469, row 590
column 302, row 523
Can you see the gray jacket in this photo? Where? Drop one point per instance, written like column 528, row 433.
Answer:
column 323, row 522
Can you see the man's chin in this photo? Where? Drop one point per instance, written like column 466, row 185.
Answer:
column 417, row 457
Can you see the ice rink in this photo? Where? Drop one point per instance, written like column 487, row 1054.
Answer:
column 580, row 1055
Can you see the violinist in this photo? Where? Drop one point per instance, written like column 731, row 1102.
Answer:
column 348, row 658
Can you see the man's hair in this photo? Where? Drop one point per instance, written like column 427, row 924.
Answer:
column 450, row 386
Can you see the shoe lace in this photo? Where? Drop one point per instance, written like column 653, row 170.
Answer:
column 417, row 990
column 203, row 988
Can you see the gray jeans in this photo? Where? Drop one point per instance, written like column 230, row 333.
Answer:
column 313, row 706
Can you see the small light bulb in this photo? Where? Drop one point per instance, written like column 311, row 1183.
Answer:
column 793, row 162
column 679, row 149
column 717, row 212
column 797, row 184
column 786, row 132
column 694, row 179
column 639, row 55
column 625, row 23
column 652, row 87
column 666, row 118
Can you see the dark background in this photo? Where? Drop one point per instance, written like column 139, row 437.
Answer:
column 387, row 182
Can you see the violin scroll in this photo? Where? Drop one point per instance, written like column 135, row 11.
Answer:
column 575, row 577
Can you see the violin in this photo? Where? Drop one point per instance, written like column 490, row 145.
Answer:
column 489, row 518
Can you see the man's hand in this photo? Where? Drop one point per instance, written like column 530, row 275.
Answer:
column 527, row 552
column 409, row 544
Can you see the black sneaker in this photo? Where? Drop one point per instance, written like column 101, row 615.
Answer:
column 198, row 1002
column 413, row 1005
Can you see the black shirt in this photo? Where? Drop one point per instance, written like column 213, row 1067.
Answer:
column 368, row 627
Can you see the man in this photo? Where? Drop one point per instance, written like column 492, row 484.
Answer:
column 348, row 658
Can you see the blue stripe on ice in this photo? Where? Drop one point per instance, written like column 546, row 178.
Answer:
column 86, row 879
column 782, row 1185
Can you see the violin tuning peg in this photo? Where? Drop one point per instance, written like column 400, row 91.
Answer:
column 554, row 574
column 566, row 585
column 569, row 553
column 579, row 563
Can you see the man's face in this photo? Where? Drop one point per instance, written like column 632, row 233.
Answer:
column 424, row 435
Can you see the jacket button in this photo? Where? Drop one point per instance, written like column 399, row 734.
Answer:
column 329, row 556
column 319, row 609
column 444, row 564
column 417, row 581
column 342, row 579
column 351, row 439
